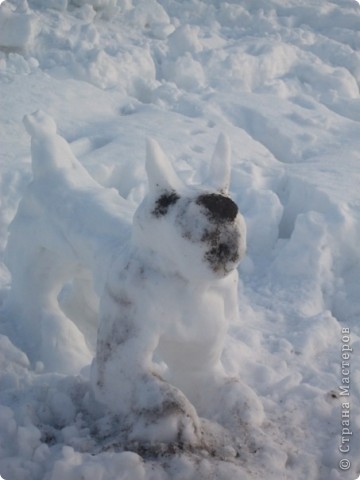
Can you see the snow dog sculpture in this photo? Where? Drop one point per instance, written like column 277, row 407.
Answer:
column 166, row 279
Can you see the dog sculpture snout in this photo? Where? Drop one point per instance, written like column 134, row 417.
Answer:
column 219, row 208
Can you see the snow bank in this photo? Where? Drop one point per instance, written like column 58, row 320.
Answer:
column 97, row 4
column 152, row 18
column 281, row 79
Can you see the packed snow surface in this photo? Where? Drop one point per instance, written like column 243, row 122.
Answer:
column 281, row 80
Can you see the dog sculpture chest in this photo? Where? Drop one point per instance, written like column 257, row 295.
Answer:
column 168, row 286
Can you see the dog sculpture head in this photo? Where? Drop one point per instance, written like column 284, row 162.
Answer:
column 195, row 232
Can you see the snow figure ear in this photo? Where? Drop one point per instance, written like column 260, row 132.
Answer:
column 160, row 172
column 220, row 167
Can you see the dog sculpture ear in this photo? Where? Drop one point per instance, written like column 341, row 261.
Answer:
column 161, row 174
column 220, row 167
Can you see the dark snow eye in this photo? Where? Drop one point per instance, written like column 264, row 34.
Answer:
column 164, row 202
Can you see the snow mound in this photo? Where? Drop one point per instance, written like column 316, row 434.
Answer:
column 17, row 27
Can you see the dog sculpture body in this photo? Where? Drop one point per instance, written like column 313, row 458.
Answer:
column 167, row 283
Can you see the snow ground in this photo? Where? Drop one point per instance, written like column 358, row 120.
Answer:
column 281, row 78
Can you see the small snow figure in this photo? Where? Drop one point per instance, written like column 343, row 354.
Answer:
column 167, row 284
column 165, row 301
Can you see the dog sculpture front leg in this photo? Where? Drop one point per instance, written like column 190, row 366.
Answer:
column 125, row 377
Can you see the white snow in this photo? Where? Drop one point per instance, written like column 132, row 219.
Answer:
column 281, row 80
column 17, row 28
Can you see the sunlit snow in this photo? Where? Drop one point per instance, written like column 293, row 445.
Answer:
column 280, row 80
